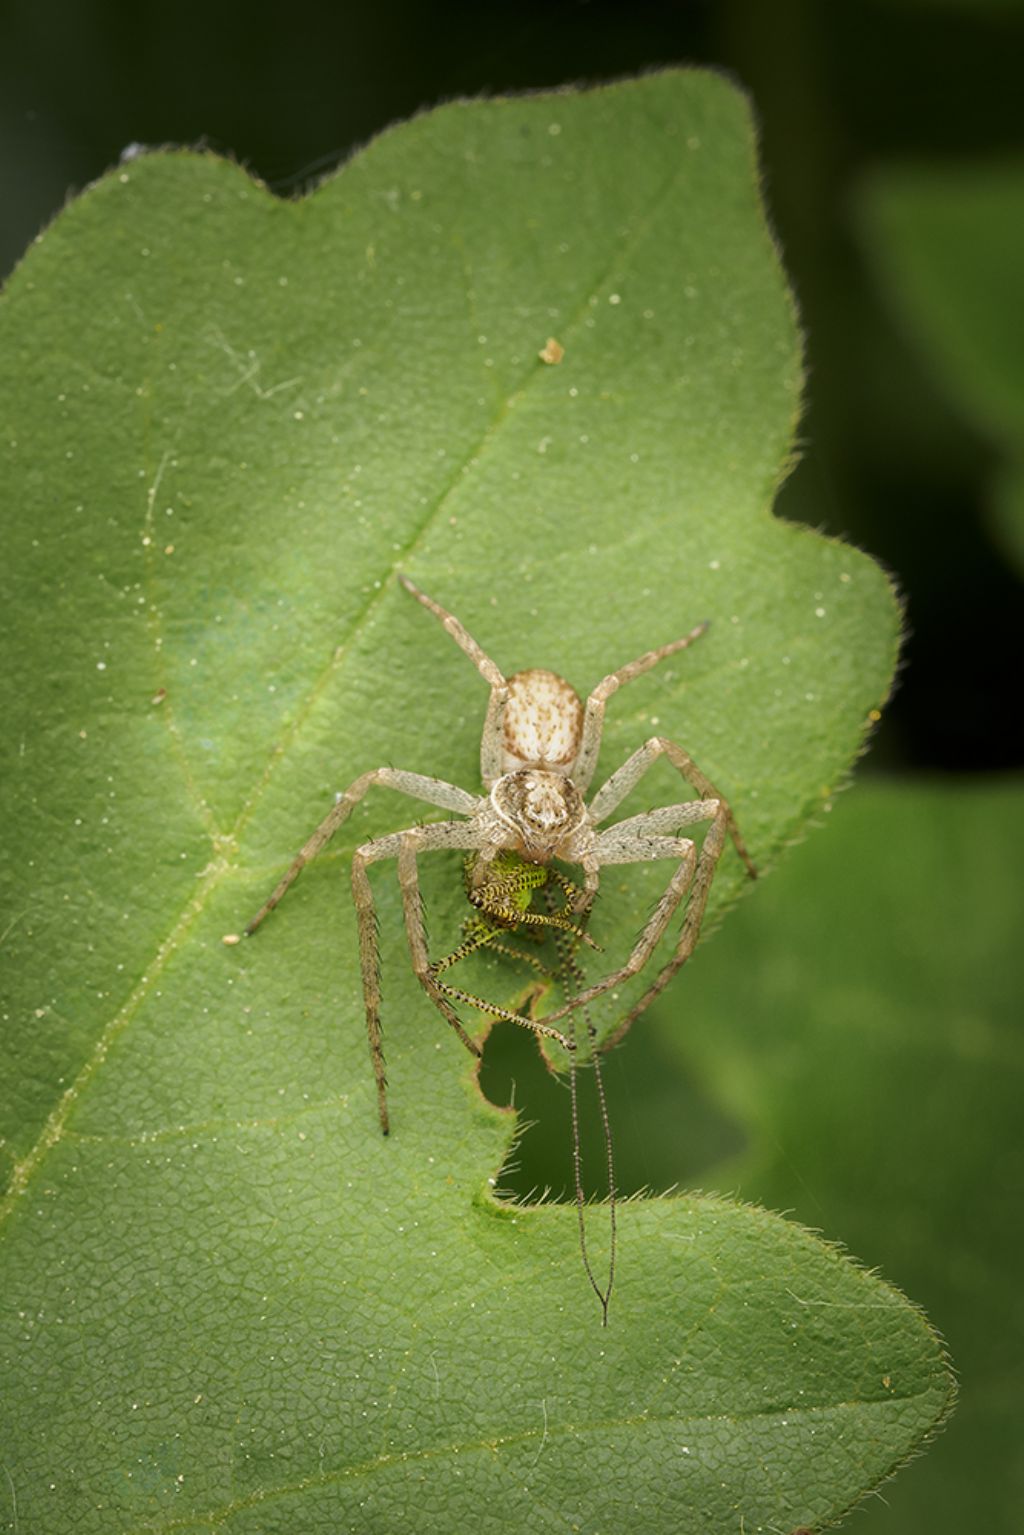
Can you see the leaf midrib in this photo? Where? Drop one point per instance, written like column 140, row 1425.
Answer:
column 543, row 1433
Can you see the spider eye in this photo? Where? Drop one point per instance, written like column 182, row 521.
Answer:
column 545, row 802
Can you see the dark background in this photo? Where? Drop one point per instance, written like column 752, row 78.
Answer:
column 841, row 90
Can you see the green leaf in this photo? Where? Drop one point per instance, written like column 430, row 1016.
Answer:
column 227, row 421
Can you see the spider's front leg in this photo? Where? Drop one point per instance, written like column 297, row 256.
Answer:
column 491, row 742
column 700, row 886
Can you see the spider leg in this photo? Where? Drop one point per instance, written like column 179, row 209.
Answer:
column 609, row 844
column 642, row 845
column 445, row 834
column 639, row 839
column 412, row 843
column 710, row 852
column 614, row 791
column 433, row 790
column 491, row 747
column 593, row 714
column 627, row 842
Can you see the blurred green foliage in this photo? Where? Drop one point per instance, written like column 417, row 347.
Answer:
column 947, row 242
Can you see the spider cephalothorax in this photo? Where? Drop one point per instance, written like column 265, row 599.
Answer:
column 538, row 754
column 541, row 810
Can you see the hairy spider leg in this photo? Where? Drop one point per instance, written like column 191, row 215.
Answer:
column 458, row 834
column 416, row 785
column 642, row 839
column 492, row 740
column 710, row 852
column 614, row 791
column 645, row 847
column 636, row 840
column 593, row 712
column 444, row 834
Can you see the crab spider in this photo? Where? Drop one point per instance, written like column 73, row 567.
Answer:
column 538, row 754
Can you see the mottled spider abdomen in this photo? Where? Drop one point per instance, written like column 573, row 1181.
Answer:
column 543, row 722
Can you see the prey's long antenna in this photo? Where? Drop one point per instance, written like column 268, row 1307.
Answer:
column 572, row 978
